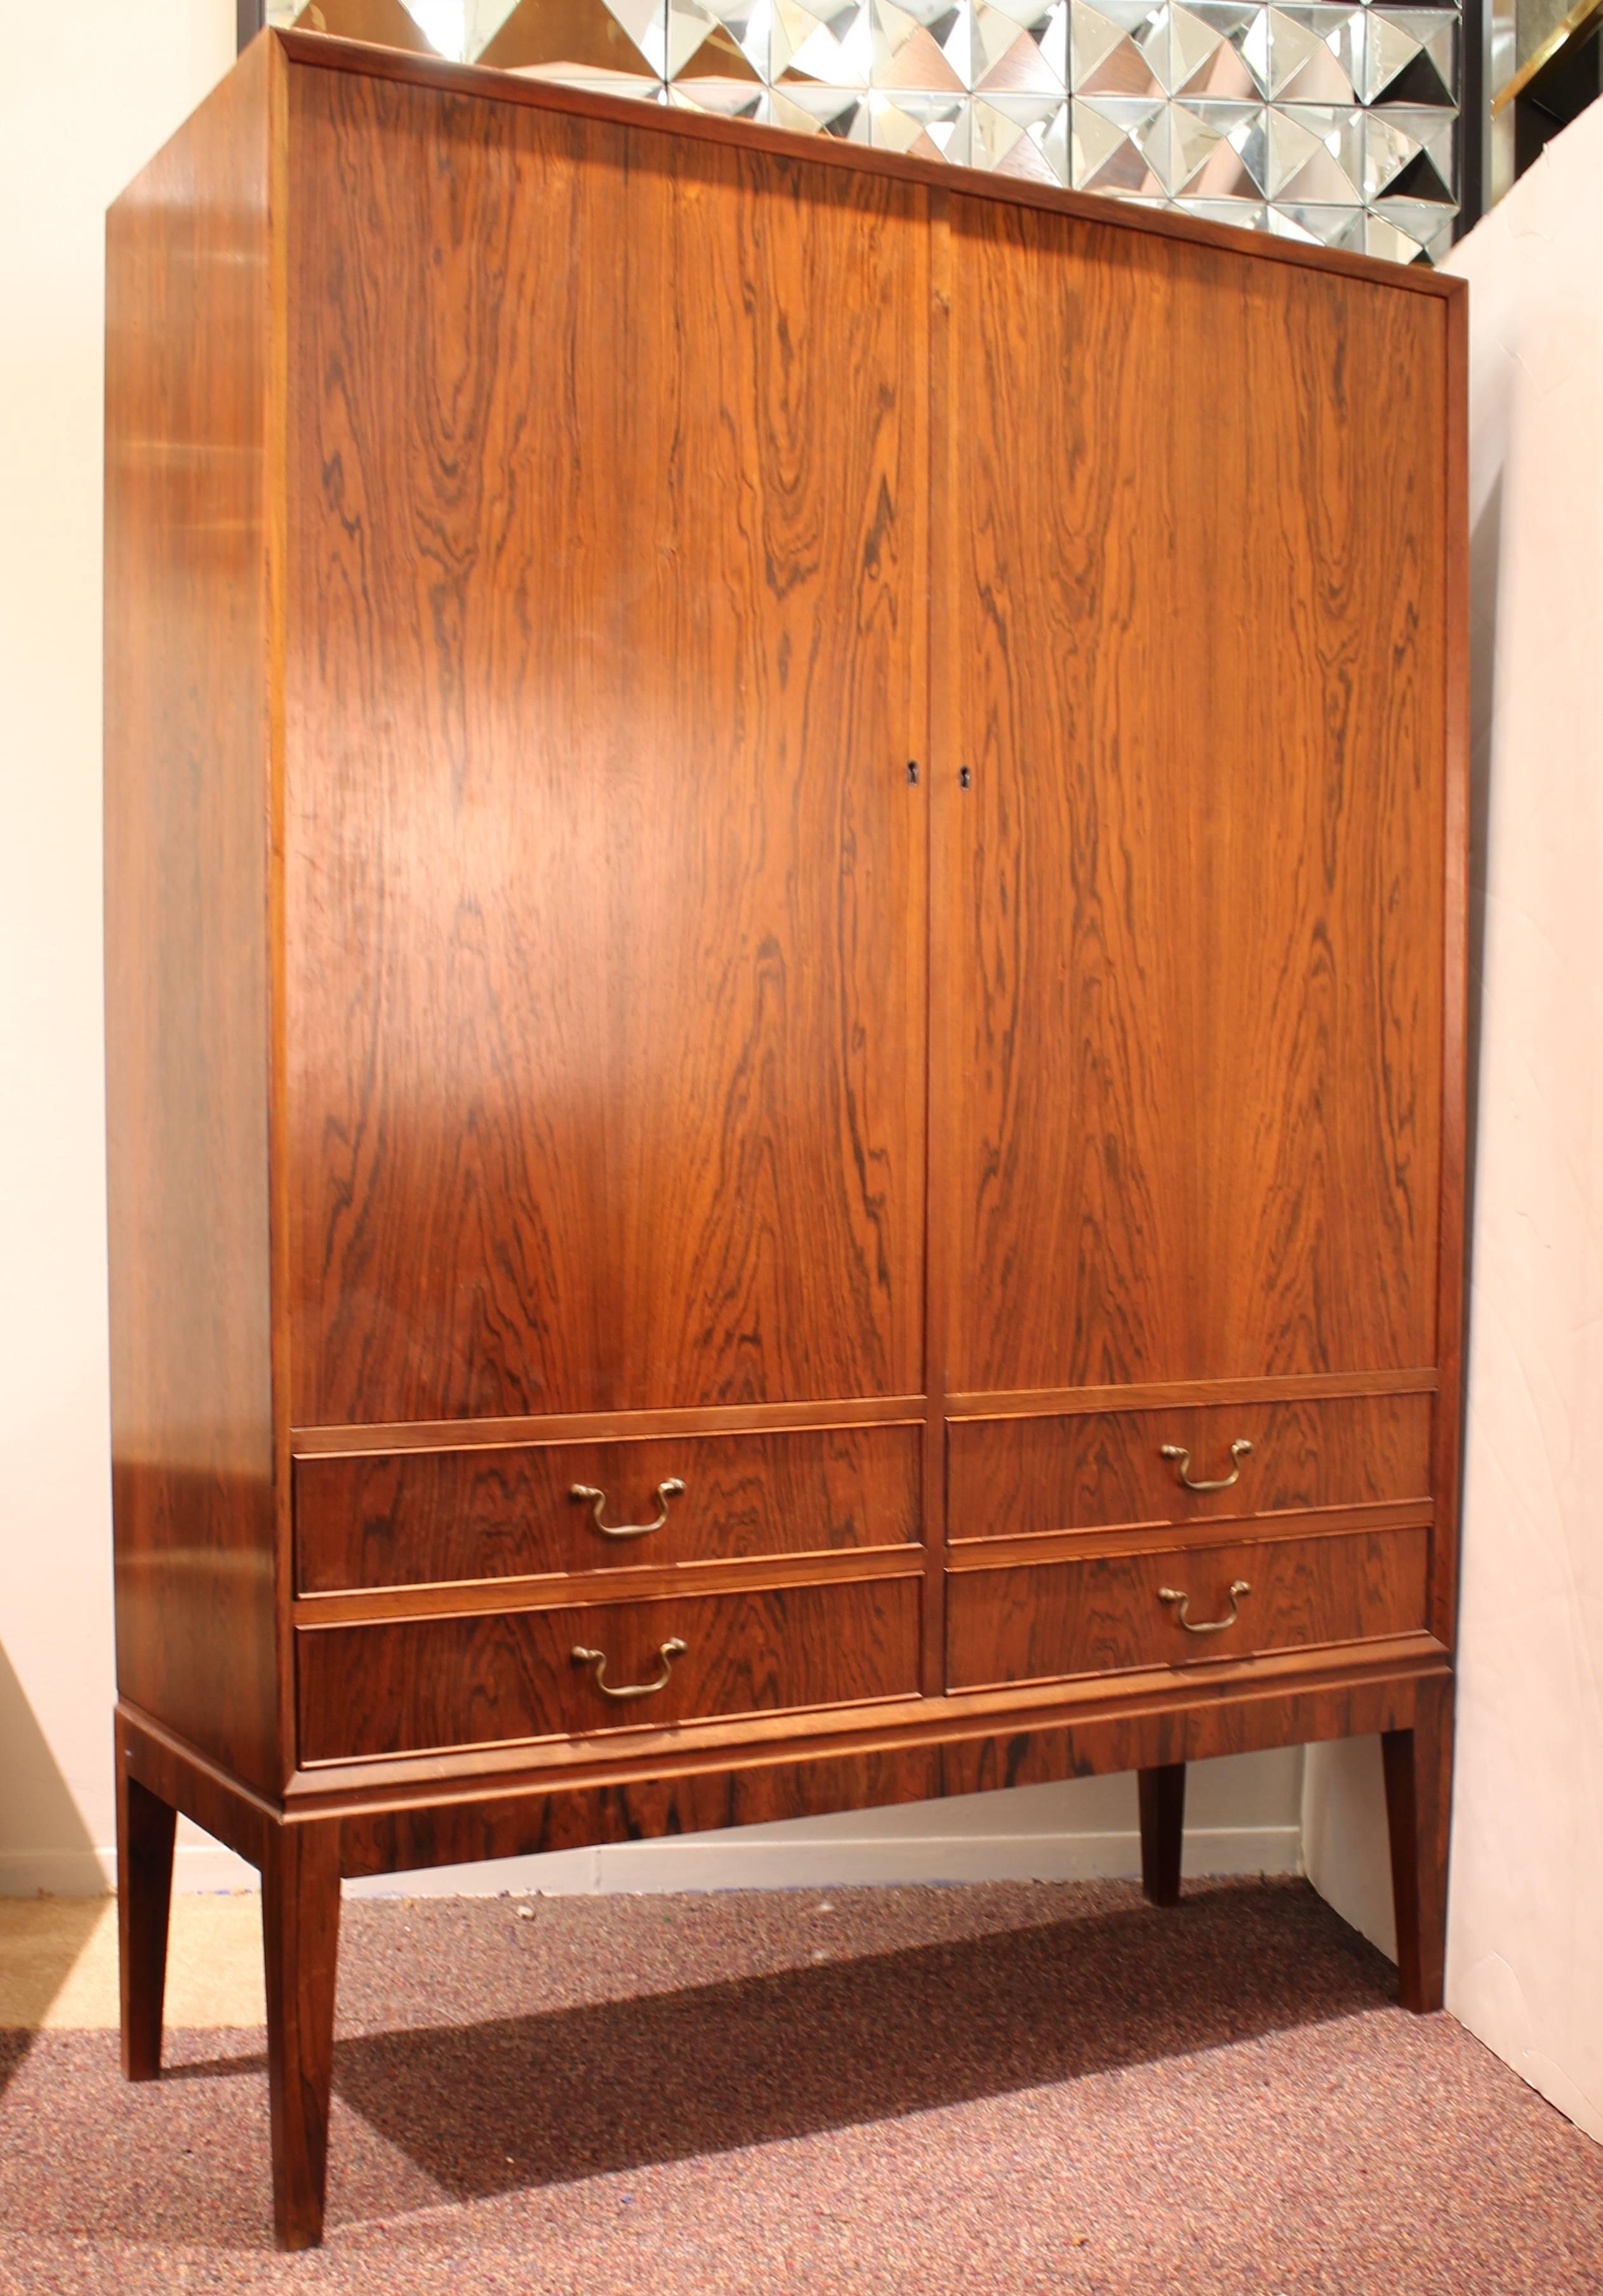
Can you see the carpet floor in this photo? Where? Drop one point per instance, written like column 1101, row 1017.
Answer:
column 1011, row 2088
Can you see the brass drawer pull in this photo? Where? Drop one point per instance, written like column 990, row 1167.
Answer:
column 1238, row 1586
column 596, row 1660
column 596, row 1500
column 1237, row 1451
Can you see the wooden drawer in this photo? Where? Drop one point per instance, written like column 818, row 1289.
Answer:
column 1012, row 1478
column 421, row 1517
column 1106, row 1614
column 412, row 1686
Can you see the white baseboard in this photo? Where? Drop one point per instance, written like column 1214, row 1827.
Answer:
column 715, row 1862
column 93, row 1872
column 720, row 1862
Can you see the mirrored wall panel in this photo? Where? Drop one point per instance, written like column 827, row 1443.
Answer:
column 1327, row 123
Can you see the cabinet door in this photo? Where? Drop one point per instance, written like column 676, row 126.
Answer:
column 605, row 879
column 1195, row 1070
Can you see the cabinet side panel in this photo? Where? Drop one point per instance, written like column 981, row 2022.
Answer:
column 186, row 777
column 605, row 874
column 1202, row 641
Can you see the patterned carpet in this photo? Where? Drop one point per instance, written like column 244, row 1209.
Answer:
column 1013, row 2088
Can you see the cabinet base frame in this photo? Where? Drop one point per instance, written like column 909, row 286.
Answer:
column 302, row 1847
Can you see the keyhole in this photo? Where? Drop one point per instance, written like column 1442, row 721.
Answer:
column 913, row 770
column 964, row 778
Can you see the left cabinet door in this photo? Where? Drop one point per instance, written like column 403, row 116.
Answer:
column 605, row 878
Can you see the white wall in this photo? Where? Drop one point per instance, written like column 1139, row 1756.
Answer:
column 89, row 89
column 1524, row 1964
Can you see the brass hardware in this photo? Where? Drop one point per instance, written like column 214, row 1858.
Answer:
column 1238, row 1586
column 1176, row 1451
column 596, row 1500
column 597, row 1662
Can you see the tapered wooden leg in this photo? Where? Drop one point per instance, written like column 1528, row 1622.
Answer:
column 1418, row 1809
column 144, row 1897
column 1163, row 1807
column 300, row 1938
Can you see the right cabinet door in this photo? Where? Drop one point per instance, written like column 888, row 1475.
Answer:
column 1198, row 534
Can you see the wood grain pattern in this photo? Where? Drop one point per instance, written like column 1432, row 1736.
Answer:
column 1161, row 1799
column 1104, row 1615
column 145, row 1830
column 1417, row 1764
column 300, row 1935
column 555, row 1040
column 1174, row 1394
column 186, row 770
column 1011, row 1477
column 302, row 1857
column 347, row 1788
column 487, row 1513
column 647, row 1582
column 602, row 1426
column 605, row 881
column 1196, row 1720
column 1038, row 1546
column 1202, row 649
column 1447, row 1465
column 450, row 1682
column 825, row 152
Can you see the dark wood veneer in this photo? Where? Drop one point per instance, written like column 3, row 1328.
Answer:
column 1230, row 1030
column 188, row 357
column 1104, row 1615
column 421, row 1517
column 555, row 1037
column 418, row 1684
column 609, row 1095
column 1015, row 1476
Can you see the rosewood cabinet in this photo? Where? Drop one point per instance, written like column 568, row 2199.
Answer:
column 785, row 909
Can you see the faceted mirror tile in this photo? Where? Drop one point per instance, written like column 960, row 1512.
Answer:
column 1237, row 164
column 924, row 127
column 718, row 40
column 839, row 112
column 1408, row 155
column 1214, row 51
column 1336, row 226
column 822, row 42
column 1314, row 54
column 1022, row 135
column 1316, row 155
column 1421, row 221
column 1108, row 50
column 588, row 41
column 1411, row 56
column 1020, row 49
column 923, row 48
column 1237, row 213
column 1381, row 236
column 1356, row 147
column 1106, row 151
column 387, row 23
column 725, row 99
column 1195, row 151
column 484, row 19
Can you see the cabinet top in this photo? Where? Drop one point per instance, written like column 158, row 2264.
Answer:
column 324, row 51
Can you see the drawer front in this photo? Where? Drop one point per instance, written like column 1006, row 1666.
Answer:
column 1109, row 1613
column 417, row 1685
column 1012, row 1478
column 417, row 1518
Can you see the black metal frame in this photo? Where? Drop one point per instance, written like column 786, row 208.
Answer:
column 1474, row 113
